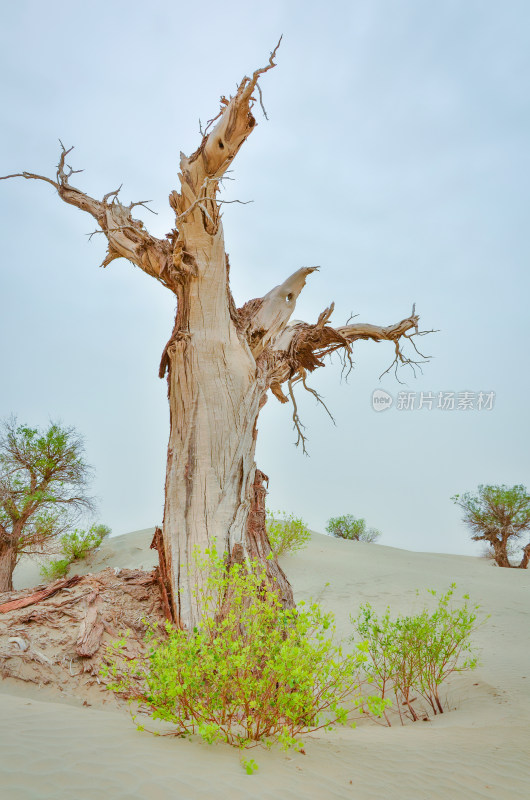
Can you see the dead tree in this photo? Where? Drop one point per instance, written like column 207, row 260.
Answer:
column 220, row 361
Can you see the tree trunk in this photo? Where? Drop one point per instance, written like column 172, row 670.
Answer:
column 500, row 554
column 215, row 395
column 526, row 557
column 8, row 560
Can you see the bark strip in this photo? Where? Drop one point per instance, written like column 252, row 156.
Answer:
column 257, row 541
column 91, row 629
column 162, row 575
column 37, row 597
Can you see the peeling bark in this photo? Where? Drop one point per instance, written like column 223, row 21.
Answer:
column 91, row 629
column 258, row 545
column 162, row 576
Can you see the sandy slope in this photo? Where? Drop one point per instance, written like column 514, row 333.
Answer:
column 479, row 750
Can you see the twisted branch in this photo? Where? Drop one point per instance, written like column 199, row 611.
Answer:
column 201, row 172
column 127, row 237
column 301, row 348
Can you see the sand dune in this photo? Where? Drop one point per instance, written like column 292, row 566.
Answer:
column 480, row 749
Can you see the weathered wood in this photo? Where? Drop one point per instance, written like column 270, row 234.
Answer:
column 91, row 629
column 258, row 544
column 64, row 640
column 161, row 575
column 42, row 594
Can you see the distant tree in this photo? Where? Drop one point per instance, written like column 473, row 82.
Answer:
column 43, row 482
column 498, row 515
column 348, row 527
column 286, row 533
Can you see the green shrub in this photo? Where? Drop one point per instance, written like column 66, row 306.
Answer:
column 416, row 654
column 79, row 543
column 254, row 673
column 55, row 569
column 287, row 534
column 348, row 527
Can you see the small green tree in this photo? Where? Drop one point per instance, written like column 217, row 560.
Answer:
column 79, row 543
column 286, row 533
column 348, row 527
column 498, row 515
column 75, row 545
column 43, row 483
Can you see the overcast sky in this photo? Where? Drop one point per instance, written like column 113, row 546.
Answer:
column 396, row 156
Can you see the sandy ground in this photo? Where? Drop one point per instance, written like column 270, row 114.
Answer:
column 50, row 748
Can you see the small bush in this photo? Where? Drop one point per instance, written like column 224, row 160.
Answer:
column 287, row 534
column 347, row 527
column 415, row 654
column 55, row 569
column 79, row 543
column 254, row 673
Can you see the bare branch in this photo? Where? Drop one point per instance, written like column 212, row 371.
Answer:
column 127, row 237
column 400, row 360
column 144, row 204
column 29, row 175
column 303, row 347
column 113, row 194
column 261, row 101
column 300, row 348
column 220, row 144
column 315, row 394
column 297, row 423
column 242, row 202
column 256, row 74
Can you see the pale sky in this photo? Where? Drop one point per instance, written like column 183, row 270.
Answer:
column 396, row 156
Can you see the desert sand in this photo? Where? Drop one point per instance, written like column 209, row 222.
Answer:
column 53, row 747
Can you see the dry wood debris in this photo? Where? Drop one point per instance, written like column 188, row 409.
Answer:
column 57, row 635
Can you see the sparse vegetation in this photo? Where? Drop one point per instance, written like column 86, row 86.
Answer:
column 355, row 530
column 255, row 672
column 286, row 533
column 499, row 516
column 79, row 543
column 55, row 569
column 75, row 545
column 411, row 656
